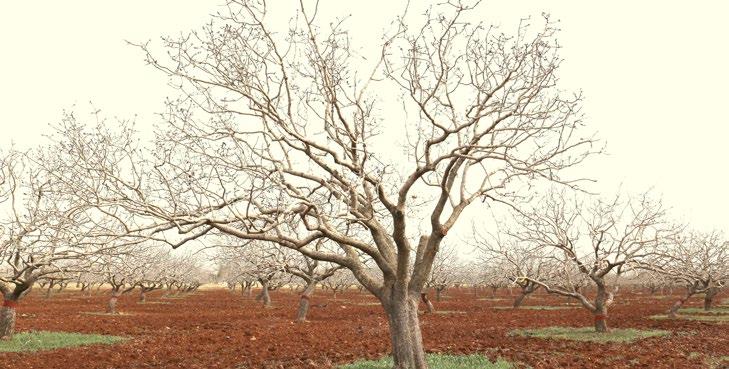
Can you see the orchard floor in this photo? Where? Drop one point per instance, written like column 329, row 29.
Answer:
column 217, row 329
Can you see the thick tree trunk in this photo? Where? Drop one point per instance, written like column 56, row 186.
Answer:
column 709, row 298
column 111, row 306
column 600, row 313
column 438, row 294
column 305, row 301
column 526, row 290
column 407, row 342
column 428, row 305
column 601, row 321
column 142, row 296
column 7, row 319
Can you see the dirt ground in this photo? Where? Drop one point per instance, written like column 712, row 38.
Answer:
column 218, row 329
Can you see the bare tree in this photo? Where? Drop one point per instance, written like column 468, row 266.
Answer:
column 159, row 264
column 601, row 241
column 312, row 272
column 491, row 274
column 260, row 262
column 698, row 260
column 275, row 138
column 120, row 272
column 443, row 274
column 521, row 263
column 340, row 281
column 45, row 237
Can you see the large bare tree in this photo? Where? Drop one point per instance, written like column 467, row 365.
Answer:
column 284, row 136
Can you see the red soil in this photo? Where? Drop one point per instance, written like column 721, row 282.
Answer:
column 217, row 329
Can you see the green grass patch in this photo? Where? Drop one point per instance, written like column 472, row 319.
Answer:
column 41, row 340
column 588, row 334
column 718, row 318
column 533, row 307
column 715, row 310
column 437, row 361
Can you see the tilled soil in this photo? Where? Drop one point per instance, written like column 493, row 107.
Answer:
column 219, row 329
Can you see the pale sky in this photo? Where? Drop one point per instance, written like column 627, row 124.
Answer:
column 654, row 74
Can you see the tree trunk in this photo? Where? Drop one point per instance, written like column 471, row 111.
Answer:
column 334, row 293
column 673, row 312
column 428, row 305
column 601, row 320
column 142, row 296
column 304, row 302
column 600, row 313
column 493, row 291
column 709, row 297
column 7, row 319
column 111, row 307
column 406, row 339
column 264, row 296
column 519, row 299
column 438, row 294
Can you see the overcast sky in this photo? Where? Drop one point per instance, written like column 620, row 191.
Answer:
column 655, row 75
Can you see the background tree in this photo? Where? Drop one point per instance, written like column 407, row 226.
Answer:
column 312, row 272
column 601, row 239
column 520, row 263
column 45, row 236
column 340, row 281
column 260, row 262
column 698, row 260
column 443, row 274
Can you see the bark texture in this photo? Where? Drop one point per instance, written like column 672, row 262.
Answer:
column 407, row 341
column 709, row 298
column 428, row 305
column 111, row 306
column 304, row 302
column 7, row 320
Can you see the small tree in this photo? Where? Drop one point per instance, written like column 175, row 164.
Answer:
column 601, row 240
column 444, row 272
column 260, row 262
column 340, row 281
column 698, row 260
column 46, row 237
column 159, row 264
column 312, row 272
column 521, row 263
